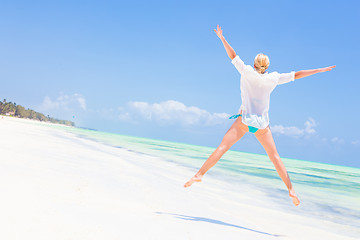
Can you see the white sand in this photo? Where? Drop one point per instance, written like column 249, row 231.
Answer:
column 54, row 185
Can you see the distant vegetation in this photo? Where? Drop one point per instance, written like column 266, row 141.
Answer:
column 12, row 109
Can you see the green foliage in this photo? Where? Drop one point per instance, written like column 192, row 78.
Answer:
column 19, row 111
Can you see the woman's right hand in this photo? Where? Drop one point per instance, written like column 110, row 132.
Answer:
column 218, row 32
column 229, row 50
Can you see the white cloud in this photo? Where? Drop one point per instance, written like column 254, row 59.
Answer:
column 64, row 102
column 356, row 142
column 337, row 140
column 82, row 102
column 306, row 132
column 309, row 125
column 289, row 131
column 171, row 112
column 295, row 131
column 125, row 117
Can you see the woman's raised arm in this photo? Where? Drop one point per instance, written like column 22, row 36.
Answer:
column 305, row 73
column 229, row 50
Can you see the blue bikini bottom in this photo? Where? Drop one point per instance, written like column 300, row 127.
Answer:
column 251, row 129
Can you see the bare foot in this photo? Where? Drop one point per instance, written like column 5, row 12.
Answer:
column 196, row 178
column 295, row 199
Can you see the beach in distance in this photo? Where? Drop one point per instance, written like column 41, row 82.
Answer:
column 60, row 182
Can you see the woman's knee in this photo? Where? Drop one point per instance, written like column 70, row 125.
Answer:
column 275, row 157
column 223, row 147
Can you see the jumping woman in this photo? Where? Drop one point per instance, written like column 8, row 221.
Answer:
column 256, row 86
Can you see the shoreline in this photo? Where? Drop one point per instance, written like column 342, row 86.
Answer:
column 182, row 143
column 34, row 121
column 167, row 141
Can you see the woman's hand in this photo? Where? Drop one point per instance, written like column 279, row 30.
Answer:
column 229, row 50
column 305, row 73
column 218, row 32
column 325, row 69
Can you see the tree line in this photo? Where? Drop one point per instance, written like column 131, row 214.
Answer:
column 15, row 110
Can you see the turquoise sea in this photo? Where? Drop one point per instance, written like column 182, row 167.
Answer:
column 327, row 192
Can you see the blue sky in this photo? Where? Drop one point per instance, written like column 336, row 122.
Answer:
column 156, row 69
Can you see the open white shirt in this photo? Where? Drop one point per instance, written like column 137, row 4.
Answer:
column 255, row 92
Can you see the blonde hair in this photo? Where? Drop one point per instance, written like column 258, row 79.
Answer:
column 261, row 63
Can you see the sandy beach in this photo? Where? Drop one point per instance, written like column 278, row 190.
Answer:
column 56, row 185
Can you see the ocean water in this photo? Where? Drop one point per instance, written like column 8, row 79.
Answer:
column 327, row 192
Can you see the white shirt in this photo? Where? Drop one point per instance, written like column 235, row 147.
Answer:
column 255, row 92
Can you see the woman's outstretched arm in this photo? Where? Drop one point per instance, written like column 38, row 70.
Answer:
column 305, row 73
column 229, row 50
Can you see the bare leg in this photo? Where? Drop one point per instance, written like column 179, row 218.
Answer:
column 236, row 131
column 265, row 138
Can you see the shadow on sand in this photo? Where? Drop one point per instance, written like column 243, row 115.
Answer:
column 214, row 221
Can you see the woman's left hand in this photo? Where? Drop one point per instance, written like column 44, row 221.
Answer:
column 325, row 69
